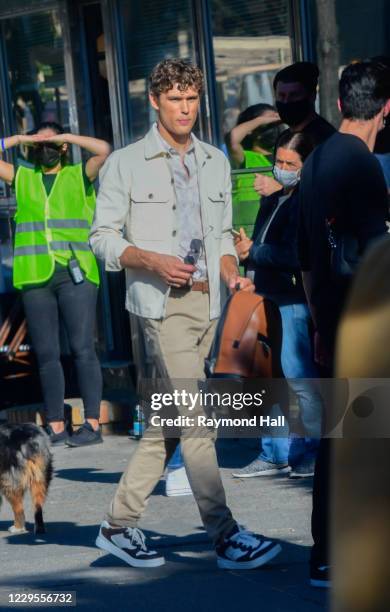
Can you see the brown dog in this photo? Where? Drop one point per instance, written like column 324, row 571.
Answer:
column 25, row 463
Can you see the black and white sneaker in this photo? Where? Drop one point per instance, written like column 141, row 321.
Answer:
column 128, row 544
column 320, row 576
column 243, row 549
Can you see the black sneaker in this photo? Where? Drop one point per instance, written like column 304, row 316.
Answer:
column 85, row 436
column 243, row 549
column 320, row 576
column 128, row 544
column 56, row 439
column 303, row 469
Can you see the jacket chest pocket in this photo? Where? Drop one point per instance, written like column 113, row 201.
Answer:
column 150, row 213
column 216, row 209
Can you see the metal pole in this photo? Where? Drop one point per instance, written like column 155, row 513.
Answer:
column 209, row 117
column 116, row 73
column 69, row 77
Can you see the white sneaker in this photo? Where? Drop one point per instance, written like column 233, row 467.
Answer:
column 128, row 544
column 176, row 482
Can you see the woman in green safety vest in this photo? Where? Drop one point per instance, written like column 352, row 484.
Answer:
column 55, row 268
column 250, row 145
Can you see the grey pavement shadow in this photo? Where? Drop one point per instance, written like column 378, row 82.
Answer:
column 186, row 582
column 71, row 534
column 64, row 533
column 97, row 475
column 88, row 475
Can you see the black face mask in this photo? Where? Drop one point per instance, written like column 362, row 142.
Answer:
column 47, row 155
column 293, row 113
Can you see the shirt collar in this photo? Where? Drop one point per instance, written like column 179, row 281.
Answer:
column 154, row 146
column 166, row 147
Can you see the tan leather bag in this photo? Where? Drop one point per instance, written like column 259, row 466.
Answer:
column 247, row 341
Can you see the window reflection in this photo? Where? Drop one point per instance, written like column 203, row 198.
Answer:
column 35, row 57
column 251, row 43
column 155, row 31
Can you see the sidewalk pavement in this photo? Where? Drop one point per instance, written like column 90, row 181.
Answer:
column 65, row 558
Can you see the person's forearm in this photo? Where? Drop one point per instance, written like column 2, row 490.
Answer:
column 239, row 132
column 11, row 141
column 229, row 268
column 282, row 256
column 93, row 145
column 133, row 257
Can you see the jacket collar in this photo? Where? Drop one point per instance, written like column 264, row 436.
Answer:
column 153, row 148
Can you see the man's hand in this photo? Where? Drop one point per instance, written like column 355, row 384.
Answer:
column 243, row 245
column 266, row 185
column 172, row 270
column 240, row 282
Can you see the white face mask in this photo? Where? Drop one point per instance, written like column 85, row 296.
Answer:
column 287, row 178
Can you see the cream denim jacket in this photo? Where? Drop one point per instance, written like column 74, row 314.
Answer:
column 136, row 207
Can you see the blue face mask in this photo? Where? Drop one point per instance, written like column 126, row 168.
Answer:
column 287, row 178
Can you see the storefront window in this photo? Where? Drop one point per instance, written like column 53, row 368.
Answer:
column 251, row 43
column 35, row 58
column 154, row 31
column 360, row 30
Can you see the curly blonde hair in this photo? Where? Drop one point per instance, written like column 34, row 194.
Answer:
column 170, row 72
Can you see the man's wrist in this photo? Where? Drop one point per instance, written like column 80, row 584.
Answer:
column 229, row 269
column 147, row 259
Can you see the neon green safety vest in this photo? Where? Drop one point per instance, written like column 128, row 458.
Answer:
column 46, row 224
column 245, row 198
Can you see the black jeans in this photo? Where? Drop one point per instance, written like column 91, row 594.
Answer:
column 43, row 305
column 320, row 528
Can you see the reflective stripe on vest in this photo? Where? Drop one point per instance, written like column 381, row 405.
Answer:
column 32, row 226
column 39, row 249
column 46, row 224
column 68, row 223
column 59, row 245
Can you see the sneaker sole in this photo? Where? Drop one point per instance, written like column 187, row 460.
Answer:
column 320, row 584
column 268, row 556
column 178, row 492
column 271, row 472
column 103, row 544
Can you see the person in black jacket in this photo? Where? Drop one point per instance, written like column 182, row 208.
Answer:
column 271, row 255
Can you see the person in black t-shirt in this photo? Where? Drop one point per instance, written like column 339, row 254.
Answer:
column 295, row 90
column 340, row 179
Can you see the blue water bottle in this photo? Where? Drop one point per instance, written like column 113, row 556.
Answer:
column 138, row 423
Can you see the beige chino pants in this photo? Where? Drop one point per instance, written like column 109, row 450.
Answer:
column 177, row 345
